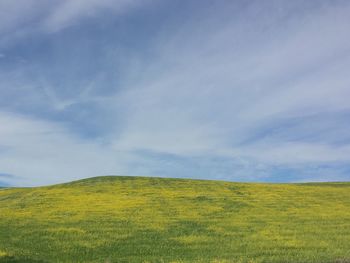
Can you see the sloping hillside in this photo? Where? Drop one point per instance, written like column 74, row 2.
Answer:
column 136, row 219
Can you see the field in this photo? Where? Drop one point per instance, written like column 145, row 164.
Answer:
column 139, row 219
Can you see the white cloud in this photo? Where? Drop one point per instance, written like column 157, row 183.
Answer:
column 39, row 152
column 68, row 12
column 22, row 18
column 209, row 87
column 206, row 96
column 294, row 153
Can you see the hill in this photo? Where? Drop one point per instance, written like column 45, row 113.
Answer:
column 140, row 219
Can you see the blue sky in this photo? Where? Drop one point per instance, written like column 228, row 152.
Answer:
column 230, row 90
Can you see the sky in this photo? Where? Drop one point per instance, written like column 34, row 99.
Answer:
column 254, row 91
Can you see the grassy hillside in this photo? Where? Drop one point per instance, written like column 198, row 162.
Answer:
column 133, row 219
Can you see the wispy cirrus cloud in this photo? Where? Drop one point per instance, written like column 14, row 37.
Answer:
column 68, row 13
column 44, row 152
column 230, row 90
column 22, row 18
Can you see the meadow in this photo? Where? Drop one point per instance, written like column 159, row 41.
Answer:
column 141, row 219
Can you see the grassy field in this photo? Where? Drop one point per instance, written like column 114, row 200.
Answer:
column 135, row 219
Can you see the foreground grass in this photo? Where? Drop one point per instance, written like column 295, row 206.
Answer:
column 134, row 219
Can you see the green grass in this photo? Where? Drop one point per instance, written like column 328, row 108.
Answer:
column 137, row 219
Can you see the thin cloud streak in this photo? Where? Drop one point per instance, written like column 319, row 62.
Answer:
column 233, row 97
